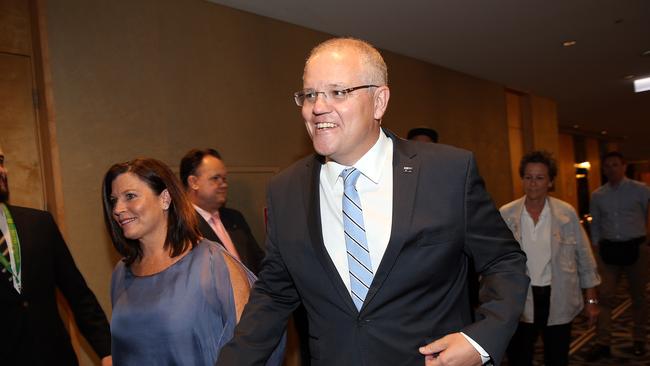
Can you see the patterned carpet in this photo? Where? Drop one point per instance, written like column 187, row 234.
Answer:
column 583, row 338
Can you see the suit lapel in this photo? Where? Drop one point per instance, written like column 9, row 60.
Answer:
column 206, row 229
column 406, row 168
column 311, row 198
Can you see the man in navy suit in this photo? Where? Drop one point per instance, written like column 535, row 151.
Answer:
column 36, row 262
column 425, row 211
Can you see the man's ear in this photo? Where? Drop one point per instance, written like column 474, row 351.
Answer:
column 382, row 94
column 191, row 182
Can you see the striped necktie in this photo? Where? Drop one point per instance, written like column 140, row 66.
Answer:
column 359, row 264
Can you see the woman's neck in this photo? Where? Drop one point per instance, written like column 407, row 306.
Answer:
column 155, row 256
column 534, row 207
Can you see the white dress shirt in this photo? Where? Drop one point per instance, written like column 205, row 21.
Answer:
column 536, row 243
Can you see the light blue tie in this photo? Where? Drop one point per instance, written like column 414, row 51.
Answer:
column 355, row 238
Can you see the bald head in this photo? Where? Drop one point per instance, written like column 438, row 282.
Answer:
column 373, row 65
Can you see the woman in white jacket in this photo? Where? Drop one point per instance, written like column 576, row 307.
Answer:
column 560, row 265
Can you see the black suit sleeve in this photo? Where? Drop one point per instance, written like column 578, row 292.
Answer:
column 88, row 314
column 500, row 263
column 264, row 320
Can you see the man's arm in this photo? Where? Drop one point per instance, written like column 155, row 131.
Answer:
column 594, row 225
column 504, row 283
column 88, row 314
column 587, row 267
column 264, row 319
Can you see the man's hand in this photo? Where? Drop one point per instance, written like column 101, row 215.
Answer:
column 107, row 361
column 451, row 350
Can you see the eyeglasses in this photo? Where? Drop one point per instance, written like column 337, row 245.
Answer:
column 334, row 95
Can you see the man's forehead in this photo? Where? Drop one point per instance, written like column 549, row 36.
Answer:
column 612, row 160
column 210, row 163
column 339, row 73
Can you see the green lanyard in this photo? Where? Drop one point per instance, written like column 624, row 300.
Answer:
column 15, row 246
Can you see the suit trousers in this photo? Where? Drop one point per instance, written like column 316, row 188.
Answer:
column 637, row 277
column 556, row 338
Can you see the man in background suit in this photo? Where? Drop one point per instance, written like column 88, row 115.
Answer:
column 204, row 176
column 410, row 221
column 35, row 262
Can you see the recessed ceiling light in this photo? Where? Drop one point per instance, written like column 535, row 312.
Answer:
column 645, row 53
column 603, row 132
column 569, row 43
column 576, row 126
column 641, row 85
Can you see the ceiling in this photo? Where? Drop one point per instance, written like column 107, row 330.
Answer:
column 517, row 43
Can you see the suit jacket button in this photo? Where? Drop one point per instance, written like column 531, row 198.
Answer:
column 25, row 304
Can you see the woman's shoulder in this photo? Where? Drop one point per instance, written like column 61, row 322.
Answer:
column 564, row 206
column 119, row 268
column 219, row 255
column 208, row 248
column 512, row 207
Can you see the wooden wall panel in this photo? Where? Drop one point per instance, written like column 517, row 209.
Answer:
column 15, row 34
column 592, row 152
column 19, row 136
column 515, row 140
column 565, row 183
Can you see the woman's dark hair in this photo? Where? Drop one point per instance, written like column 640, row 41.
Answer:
column 182, row 225
column 542, row 157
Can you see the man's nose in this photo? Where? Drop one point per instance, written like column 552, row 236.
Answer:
column 321, row 104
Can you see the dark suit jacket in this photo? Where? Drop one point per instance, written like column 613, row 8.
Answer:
column 441, row 216
column 31, row 330
column 250, row 253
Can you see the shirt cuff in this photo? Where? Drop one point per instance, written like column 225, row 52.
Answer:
column 485, row 357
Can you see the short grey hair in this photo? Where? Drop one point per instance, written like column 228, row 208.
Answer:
column 375, row 69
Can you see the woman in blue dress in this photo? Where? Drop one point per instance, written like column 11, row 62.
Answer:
column 176, row 297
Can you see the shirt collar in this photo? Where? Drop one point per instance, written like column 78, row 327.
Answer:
column 619, row 185
column 205, row 214
column 371, row 163
column 545, row 210
column 542, row 215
